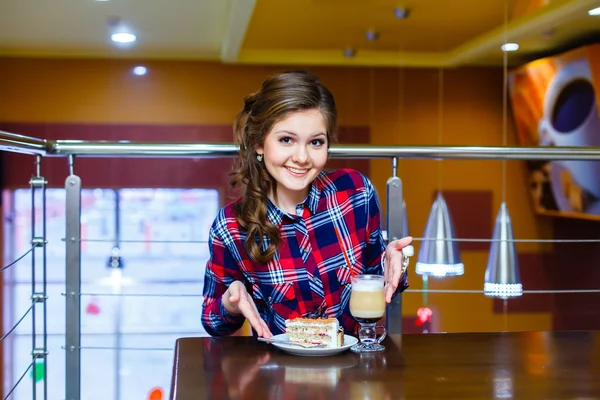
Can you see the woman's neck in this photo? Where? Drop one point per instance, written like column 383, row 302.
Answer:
column 287, row 201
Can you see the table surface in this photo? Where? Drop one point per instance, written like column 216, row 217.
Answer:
column 504, row 365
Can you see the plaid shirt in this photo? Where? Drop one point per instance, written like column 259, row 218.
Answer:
column 309, row 270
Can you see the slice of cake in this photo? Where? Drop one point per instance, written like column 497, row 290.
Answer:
column 309, row 331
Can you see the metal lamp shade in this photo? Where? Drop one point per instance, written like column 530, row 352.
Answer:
column 439, row 256
column 502, row 278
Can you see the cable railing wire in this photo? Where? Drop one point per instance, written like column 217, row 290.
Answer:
column 140, row 294
column 141, row 241
column 21, row 378
column 123, row 348
column 511, row 240
column 476, row 291
column 18, row 322
column 416, row 239
column 18, row 259
column 453, row 291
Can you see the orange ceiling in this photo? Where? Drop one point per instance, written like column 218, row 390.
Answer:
column 432, row 26
column 437, row 33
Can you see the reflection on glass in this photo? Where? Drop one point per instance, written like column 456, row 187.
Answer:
column 371, row 390
column 326, row 377
column 240, row 375
column 368, row 387
column 249, row 372
column 371, row 362
column 537, row 353
column 503, row 385
column 313, row 371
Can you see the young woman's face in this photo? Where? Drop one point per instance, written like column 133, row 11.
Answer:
column 295, row 152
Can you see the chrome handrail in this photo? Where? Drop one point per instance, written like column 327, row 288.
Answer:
column 207, row 150
column 81, row 148
column 15, row 143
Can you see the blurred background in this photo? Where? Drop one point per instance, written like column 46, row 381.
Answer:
column 414, row 72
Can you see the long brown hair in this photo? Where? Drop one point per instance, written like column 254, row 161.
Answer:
column 278, row 96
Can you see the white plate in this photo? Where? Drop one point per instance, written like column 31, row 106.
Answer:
column 349, row 341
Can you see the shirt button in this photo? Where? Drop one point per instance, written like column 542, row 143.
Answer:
column 290, row 283
column 269, row 299
column 315, row 278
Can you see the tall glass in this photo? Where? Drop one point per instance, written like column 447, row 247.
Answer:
column 367, row 306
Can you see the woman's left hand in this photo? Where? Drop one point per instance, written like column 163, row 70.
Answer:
column 394, row 260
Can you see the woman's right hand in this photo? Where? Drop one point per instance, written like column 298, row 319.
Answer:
column 237, row 300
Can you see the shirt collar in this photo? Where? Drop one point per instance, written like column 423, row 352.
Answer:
column 314, row 195
column 274, row 214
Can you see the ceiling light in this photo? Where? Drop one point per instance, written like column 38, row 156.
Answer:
column 123, row 37
column 401, row 12
column 372, row 34
column 120, row 31
column 140, row 70
column 510, row 47
column 349, row 52
column 595, row 11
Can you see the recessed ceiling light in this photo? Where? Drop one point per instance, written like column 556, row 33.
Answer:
column 372, row 34
column 595, row 11
column 401, row 12
column 349, row 52
column 140, row 70
column 123, row 37
column 510, row 47
column 548, row 33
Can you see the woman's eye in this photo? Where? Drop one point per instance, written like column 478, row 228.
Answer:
column 318, row 142
column 285, row 140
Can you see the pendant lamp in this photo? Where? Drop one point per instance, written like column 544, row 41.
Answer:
column 439, row 255
column 502, row 278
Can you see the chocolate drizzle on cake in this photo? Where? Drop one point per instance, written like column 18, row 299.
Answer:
column 316, row 314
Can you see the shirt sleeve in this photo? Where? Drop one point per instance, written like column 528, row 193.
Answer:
column 375, row 251
column 221, row 271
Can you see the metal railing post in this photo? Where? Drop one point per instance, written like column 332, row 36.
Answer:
column 73, row 285
column 394, row 231
column 38, row 182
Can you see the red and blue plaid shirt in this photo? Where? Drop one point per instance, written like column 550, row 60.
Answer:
column 309, row 271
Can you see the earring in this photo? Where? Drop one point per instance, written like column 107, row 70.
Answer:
column 259, row 157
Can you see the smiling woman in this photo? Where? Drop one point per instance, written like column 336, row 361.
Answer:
column 275, row 253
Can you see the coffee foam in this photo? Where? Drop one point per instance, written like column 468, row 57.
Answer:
column 367, row 286
column 367, row 313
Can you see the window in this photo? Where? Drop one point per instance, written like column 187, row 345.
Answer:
column 162, row 238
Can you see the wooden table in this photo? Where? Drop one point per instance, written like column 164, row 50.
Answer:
column 523, row 365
